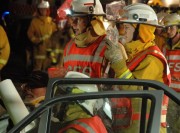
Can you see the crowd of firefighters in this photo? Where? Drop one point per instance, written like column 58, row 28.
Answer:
column 138, row 43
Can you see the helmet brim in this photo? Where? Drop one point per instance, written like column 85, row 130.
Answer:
column 135, row 22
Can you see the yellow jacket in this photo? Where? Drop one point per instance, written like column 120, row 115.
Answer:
column 150, row 68
column 4, row 48
column 41, row 27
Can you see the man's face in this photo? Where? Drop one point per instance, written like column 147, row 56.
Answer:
column 43, row 11
column 79, row 24
column 171, row 31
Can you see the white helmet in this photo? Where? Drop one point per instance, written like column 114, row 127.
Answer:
column 138, row 13
column 172, row 19
column 44, row 4
column 87, row 104
column 86, row 7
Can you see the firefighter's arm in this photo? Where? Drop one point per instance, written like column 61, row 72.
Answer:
column 4, row 48
column 34, row 33
column 31, row 33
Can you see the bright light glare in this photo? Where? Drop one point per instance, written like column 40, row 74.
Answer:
column 68, row 11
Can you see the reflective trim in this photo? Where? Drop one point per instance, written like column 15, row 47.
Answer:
column 144, row 53
column 126, row 75
column 99, row 49
column 174, row 57
column 40, row 57
column 83, row 58
column 163, row 118
column 59, row 51
column 174, row 85
column 89, row 58
column 85, row 126
column 2, row 61
column 68, row 47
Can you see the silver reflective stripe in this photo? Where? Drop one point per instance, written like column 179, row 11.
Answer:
column 174, row 57
column 88, row 58
column 68, row 47
column 84, row 125
column 83, row 58
column 99, row 49
column 174, row 85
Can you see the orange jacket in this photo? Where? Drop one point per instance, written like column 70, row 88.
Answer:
column 87, row 60
column 87, row 125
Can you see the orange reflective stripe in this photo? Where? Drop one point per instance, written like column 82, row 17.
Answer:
column 153, row 50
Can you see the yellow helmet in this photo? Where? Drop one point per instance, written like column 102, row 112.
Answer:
column 160, row 17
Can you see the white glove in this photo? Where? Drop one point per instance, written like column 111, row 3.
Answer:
column 113, row 52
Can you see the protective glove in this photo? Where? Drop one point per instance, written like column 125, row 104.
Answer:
column 45, row 37
column 115, row 55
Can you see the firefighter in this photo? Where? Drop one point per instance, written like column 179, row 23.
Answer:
column 145, row 61
column 85, row 52
column 80, row 116
column 172, row 53
column 39, row 32
column 4, row 49
column 160, row 35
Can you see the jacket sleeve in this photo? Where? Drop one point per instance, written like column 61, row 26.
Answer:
column 31, row 33
column 151, row 68
column 4, row 48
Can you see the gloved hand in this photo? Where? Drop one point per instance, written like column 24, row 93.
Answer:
column 114, row 54
column 45, row 37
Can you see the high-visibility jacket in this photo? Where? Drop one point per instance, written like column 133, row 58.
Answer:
column 173, row 58
column 87, row 60
column 86, row 125
column 123, row 118
column 4, row 48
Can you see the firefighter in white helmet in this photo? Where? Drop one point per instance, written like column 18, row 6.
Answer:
column 172, row 52
column 39, row 32
column 4, row 49
column 80, row 116
column 145, row 61
column 85, row 52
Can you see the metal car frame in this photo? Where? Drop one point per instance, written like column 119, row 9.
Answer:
column 153, row 124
